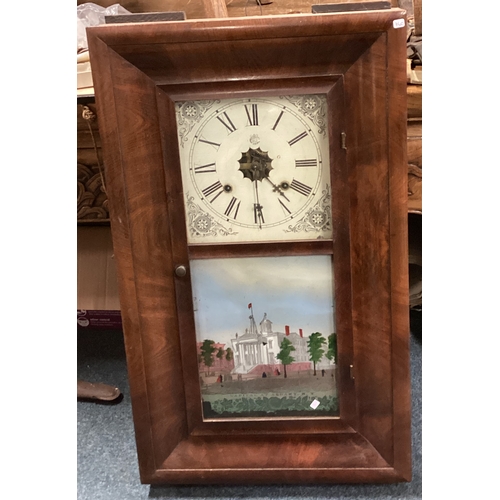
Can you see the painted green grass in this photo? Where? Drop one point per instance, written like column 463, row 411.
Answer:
column 269, row 397
column 273, row 404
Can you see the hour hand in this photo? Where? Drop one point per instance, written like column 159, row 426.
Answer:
column 258, row 214
column 277, row 189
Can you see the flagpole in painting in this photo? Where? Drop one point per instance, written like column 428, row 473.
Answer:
column 253, row 325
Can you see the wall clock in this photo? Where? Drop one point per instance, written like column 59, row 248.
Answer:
column 255, row 170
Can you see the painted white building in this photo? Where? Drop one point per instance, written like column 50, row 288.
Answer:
column 261, row 346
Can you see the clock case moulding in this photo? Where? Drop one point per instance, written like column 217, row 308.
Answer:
column 358, row 61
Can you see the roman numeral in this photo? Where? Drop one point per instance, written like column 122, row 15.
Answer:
column 300, row 188
column 211, row 143
column 278, row 120
column 306, row 163
column 203, row 169
column 254, row 117
column 297, row 139
column 214, row 188
column 229, row 124
column 284, row 206
column 232, row 206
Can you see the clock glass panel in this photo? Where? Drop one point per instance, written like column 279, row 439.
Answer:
column 255, row 169
column 265, row 332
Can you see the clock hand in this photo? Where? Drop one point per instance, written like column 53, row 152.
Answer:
column 258, row 215
column 257, row 207
column 277, row 188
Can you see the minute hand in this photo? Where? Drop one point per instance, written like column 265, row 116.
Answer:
column 277, row 188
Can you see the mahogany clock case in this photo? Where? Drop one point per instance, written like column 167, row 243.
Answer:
column 358, row 61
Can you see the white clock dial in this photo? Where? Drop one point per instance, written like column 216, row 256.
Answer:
column 255, row 169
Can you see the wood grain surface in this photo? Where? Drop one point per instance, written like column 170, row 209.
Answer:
column 358, row 59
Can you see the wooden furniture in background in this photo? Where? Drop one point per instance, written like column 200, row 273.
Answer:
column 414, row 149
column 414, row 91
column 97, row 286
column 202, row 9
column 92, row 203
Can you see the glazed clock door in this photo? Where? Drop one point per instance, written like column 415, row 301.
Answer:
column 256, row 171
column 265, row 334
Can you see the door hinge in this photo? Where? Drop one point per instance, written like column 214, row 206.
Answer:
column 351, row 371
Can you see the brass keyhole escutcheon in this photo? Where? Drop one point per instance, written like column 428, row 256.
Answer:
column 180, row 271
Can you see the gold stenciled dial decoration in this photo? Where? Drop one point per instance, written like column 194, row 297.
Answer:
column 255, row 169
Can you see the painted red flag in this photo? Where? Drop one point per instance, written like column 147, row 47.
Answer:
column 250, row 305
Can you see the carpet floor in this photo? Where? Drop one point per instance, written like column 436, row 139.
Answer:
column 107, row 458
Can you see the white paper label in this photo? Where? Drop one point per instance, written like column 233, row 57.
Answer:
column 398, row 23
column 315, row 404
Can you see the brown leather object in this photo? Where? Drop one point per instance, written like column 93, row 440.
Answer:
column 100, row 391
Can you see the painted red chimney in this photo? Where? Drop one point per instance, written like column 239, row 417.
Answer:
column 287, row 330
column 300, row 332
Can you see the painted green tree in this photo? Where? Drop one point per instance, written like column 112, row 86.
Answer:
column 207, row 351
column 229, row 354
column 331, row 353
column 286, row 348
column 220, row 355
column 315, row 348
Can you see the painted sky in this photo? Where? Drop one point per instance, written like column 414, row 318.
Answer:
column 294, row 291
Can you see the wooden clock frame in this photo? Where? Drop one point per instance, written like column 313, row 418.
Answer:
column 358, row 61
